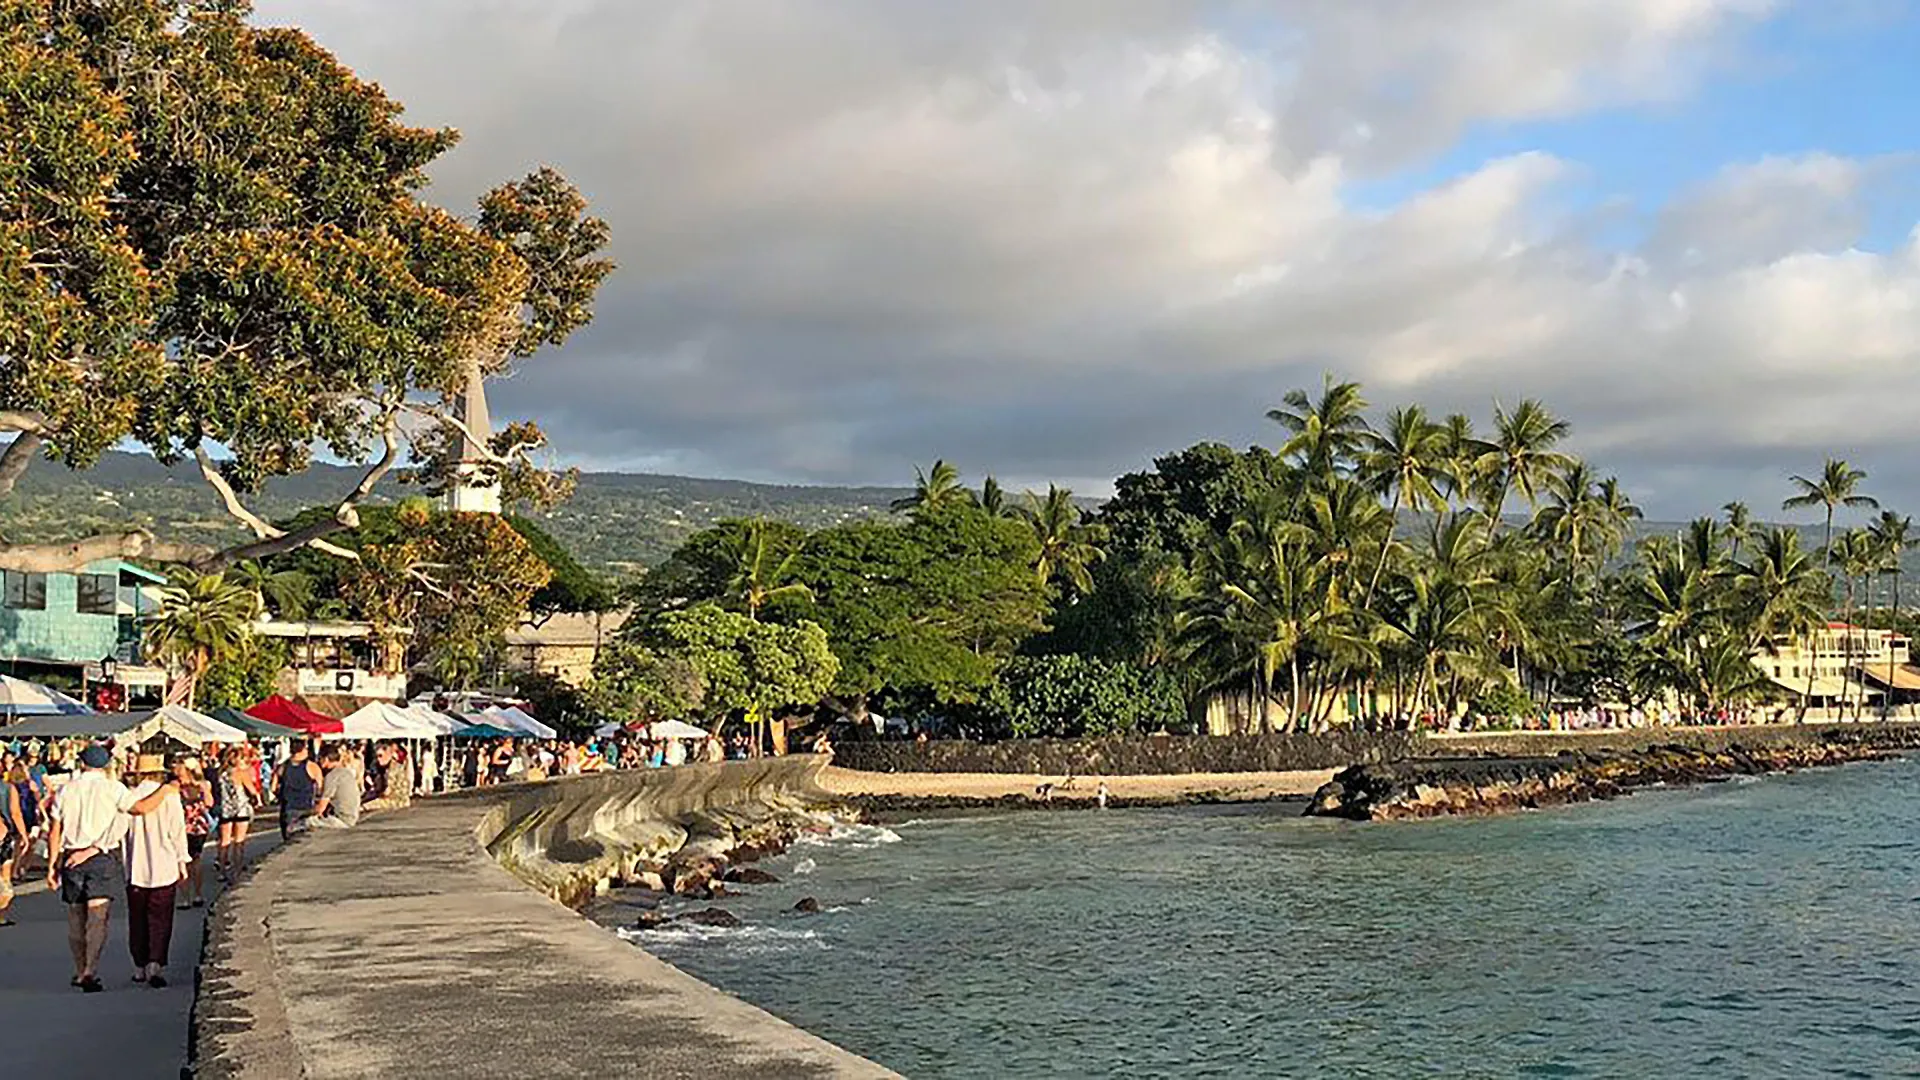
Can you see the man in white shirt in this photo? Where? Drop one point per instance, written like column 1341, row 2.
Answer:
column 89, row 821
column 156, row 859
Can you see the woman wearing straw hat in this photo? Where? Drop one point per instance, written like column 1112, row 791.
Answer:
column 156, row 856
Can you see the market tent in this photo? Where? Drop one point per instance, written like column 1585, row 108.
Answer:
column 253, row 726
column 485, row 731
column 676, row 729
column 123, row 728
column 381, row 720
column 291, row 714
column 209, row 728
column 611, row 727
column 18, row 697
column 440, row 722
column 514, row 718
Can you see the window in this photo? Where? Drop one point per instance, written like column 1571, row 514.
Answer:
column 99, row 594
column 26, row 591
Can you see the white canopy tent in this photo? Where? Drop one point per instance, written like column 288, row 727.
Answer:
column 514, row 718
column 181, row 724
column 18, row 697
column 380, row 720
column 676, row 729
column 440, row 722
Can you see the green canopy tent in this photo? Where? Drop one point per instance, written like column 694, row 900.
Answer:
column 253, row 726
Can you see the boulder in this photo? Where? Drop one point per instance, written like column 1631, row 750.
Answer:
column 750, row 875
column 650, row 920
column 807, row 906
column 712, row 916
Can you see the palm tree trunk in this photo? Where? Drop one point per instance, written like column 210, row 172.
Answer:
column 1886, row 703
column 1380, row 566
column 1293, row 664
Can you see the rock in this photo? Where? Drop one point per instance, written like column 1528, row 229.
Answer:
column 712, row 916
column 716, row 890
column 750, row 875
column 651, row 920
column 807, row 906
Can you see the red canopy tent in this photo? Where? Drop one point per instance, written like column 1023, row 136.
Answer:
column 292, row 714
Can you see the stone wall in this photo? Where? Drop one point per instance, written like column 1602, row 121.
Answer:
column 1149, row 755
column 1134, row 756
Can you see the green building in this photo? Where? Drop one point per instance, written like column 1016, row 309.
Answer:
column 58, row 628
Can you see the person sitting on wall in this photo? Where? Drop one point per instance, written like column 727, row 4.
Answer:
column 339, row 805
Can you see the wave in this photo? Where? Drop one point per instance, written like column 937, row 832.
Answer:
column 745, row 939
column 851, row 835
column 803, row 867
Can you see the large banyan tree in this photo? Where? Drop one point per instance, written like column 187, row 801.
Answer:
column 212, row 244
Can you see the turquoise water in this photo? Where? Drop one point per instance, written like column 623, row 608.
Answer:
column 1757, row 928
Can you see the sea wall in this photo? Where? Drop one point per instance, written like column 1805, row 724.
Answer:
column 1501, row 779
column 1146, row 755
column 406, row 947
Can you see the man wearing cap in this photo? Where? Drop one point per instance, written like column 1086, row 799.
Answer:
column 89, row 821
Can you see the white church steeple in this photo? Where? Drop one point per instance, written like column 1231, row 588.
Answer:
column 474, row 488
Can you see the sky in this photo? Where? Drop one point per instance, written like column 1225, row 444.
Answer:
column 1053, row 239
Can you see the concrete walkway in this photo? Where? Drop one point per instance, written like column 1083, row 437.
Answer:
column 53, row 1032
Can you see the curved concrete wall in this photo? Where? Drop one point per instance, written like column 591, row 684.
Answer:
column 405, row 947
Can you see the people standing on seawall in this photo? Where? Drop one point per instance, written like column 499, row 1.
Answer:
column 155, row 854
column 89, row 820
column 15, row 836
column 196, row 805
column 238, row 793
column 297, row 784
column 339, row 805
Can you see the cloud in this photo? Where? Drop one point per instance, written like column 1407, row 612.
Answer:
column 1052, row 240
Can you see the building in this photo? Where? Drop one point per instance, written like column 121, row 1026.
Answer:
column 62, row 628
column 474, row 488
column 337, row 660
column 1846, row 665
column 564, row 646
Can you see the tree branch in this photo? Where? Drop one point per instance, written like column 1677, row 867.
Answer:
column 74, row 554
column 18, row 455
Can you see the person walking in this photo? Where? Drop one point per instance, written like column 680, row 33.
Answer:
column 16, row 838
column 297, row 782
column 196, row 805
column 89, row 819
column 238, row 790
column 155, row 854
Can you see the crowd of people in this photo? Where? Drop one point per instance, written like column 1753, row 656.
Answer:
column 108, row 823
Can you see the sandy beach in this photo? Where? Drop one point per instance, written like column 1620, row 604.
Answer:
column 1248, row 787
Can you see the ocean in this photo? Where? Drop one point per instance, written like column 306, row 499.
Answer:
column 1757, row 928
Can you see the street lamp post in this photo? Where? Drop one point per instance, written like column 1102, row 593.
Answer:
column 108, row 668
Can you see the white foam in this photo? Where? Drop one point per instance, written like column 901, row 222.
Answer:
column 852, row 835
column 803, row 867
column 750, row 938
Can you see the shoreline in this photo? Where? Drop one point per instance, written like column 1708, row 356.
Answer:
column 1481, row 786
column 877, row 796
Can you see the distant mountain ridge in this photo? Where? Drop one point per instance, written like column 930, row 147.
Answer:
column 615, row 522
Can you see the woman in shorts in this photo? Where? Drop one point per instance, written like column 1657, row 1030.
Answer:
column 239, row 793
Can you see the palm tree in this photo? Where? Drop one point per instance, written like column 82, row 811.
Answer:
column 1739, row 527
column 759, row 575
column 1435, row 618
column 1891, row 532
column 1326, row 432
column 1067, row 548
column 993, row 499
column 1461, row 452
column 1522, row 454
column 287, row 593
column 934, row 489
column 1783, row 596
column 1838, row 486
column 1617, row 513
column 200, row 619
column 1406, row 460
column 1859, row 556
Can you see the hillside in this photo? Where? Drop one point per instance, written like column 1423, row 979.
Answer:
column 615, row 521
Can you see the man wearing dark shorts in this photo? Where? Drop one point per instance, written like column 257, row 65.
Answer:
column 89, row 821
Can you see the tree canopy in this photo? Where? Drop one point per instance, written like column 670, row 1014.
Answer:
column 212, row 245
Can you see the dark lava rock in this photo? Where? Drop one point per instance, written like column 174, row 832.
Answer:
column 750, row 875
column 807, row 906
column 712, row 916
column 650, row 920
